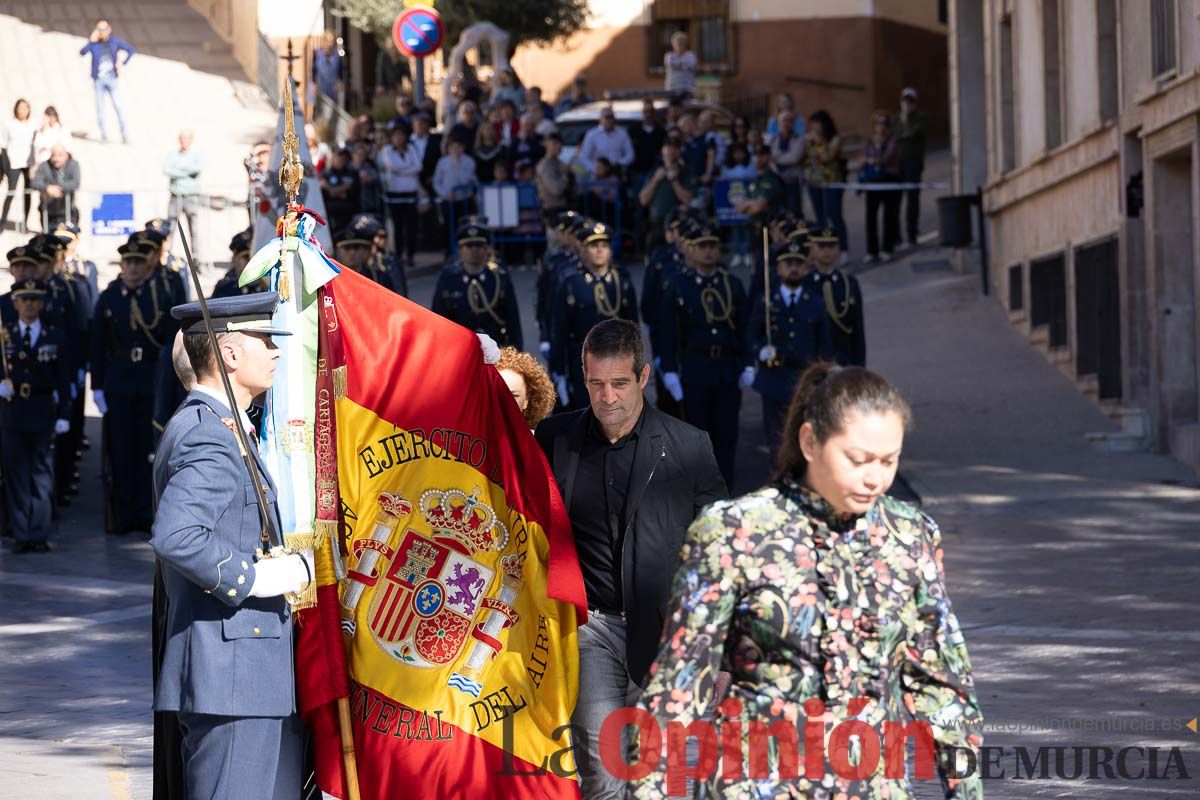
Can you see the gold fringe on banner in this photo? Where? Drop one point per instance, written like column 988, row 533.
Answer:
column 339, row 382
column 296, row 542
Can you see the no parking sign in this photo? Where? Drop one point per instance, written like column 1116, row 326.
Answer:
column 418, row 31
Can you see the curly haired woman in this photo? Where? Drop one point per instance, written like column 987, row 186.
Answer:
column 530, row 385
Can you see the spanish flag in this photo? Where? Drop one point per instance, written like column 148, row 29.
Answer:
column 462, row 594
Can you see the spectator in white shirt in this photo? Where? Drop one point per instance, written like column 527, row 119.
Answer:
column 51, row 133
column 606, row 140
column 18, row 145
column 680, row 65
column 399, row 166
column 455, row 169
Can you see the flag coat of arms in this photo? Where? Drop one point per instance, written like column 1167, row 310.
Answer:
column 463, row 593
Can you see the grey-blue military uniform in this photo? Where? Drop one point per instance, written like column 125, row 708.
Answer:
column 227, row 666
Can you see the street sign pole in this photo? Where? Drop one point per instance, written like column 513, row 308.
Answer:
column 419, row 82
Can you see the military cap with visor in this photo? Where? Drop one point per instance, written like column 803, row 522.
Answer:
column 247, row 313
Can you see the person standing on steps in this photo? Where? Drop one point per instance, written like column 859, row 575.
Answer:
column 104, row 47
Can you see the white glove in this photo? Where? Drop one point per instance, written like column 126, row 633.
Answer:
column 491, row 350
column 80, row 376
column 544, row 348
column 6, row 389
column 560, row 383
column 98, row 396
column 746, row 378
column 61, row 426
column 767, row 354
column 74, row 390
column 276, row 576
column 674, row 387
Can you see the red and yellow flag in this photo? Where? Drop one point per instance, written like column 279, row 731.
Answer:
column 460, row 609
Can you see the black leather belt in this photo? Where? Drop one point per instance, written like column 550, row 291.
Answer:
column 715, row 350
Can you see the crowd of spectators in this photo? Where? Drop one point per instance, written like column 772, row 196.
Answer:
column 634, row 175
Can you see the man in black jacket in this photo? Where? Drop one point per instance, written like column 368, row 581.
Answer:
column 633, row 479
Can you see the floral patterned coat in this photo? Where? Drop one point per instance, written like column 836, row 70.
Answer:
column 797, row 603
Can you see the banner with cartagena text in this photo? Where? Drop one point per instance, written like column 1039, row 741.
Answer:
column 463, row 594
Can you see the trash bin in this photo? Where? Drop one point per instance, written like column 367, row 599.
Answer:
column 954, row 219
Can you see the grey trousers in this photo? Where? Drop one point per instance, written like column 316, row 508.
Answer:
column 237, row 758
column 604, row 687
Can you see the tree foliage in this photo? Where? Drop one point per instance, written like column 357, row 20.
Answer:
column 527, row 21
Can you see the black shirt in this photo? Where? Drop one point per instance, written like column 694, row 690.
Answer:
column 598, row 511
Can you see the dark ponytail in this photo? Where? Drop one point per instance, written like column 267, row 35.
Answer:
column 824, row 396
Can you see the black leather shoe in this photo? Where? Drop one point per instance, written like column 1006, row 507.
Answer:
column 40, row 547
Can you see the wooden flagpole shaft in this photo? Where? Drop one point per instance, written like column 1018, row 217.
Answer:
column 349, row 760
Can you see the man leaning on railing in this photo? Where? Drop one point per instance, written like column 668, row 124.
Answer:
column 57, row 179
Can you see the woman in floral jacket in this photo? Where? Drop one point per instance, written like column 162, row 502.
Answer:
column 817, row 600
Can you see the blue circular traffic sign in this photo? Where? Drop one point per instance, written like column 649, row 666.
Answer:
column 418, row 32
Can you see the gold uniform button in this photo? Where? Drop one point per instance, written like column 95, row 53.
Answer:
column 257, row 631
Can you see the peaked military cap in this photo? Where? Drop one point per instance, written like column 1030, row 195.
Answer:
column 793, row 250
column 47, row 245
column 137, row 247
column 797, row 230
column 29, row 288
column 823, row 236
column 67, row 231
column 163, row 227
column 703, row 231
column 598, row 232
column 241, row 242
column 22, row 254
column 581, row 226
column 155, row 237
column 246, row 313
column 564, row 221
column 470, row 231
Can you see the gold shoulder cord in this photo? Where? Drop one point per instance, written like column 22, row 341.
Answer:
column 711, row 299
column 478, row 300
column 607, row 309
column 136, row 320
column 835, row 313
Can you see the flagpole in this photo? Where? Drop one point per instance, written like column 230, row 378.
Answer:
column 291, row 174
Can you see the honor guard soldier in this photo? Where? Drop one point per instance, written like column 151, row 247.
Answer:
column 173, row 269
column 561, row 257
column 34, row 408
column 476, row 292
column 83, row 276
column 787, row 335
column 382, row 263
column 227, row 663
column 843, row 300
column 354, row 244
column 131, row 326
column 783, row 227
column 239, row 256
column 665, row 263
column 597, row 291
column 67, row 308
column 703, row 349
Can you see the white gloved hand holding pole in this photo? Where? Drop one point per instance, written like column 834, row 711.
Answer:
column 746, row 379
column 491, row 350
column 98, row 397
column 278, row 576
column 61, row 426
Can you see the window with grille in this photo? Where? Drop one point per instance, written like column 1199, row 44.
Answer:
column 707, row 24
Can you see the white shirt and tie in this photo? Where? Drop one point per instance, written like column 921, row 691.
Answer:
column 34, row 330
column 790, row 296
